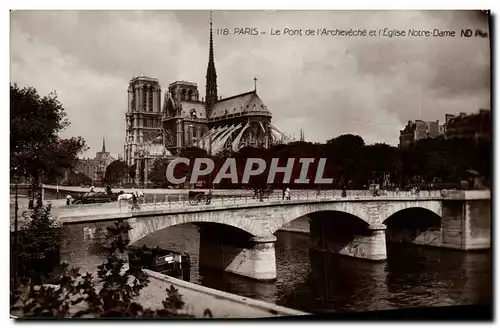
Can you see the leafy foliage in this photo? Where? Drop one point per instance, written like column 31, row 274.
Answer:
column 38, row 246
column 37, row 152
column 77, row 179
column 157, row 173
column 111, row 295
column 116, row 172
column 353, row 164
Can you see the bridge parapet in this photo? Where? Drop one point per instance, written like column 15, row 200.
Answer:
column 106, row 210
column 466, row 194
column 172, row 196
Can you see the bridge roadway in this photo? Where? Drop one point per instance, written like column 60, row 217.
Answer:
column 463, row 222
column 228, row 199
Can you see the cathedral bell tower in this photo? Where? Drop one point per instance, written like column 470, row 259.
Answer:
column 143, row 122
column 211, row 86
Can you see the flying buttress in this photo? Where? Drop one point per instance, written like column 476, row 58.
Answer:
column 262, row 128
column 204, row 137
column 222, row 140
column 203, row 141
column 219, row 133
column 278, row 135
column 236, row 143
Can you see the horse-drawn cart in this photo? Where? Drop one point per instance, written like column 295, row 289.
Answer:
column 199, row 197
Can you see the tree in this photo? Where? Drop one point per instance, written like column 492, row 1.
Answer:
column 380, row 159
column 112, row 294
column 346, row 152
column 38, row 247
column 157, row 174
column 78, row 179
column 191, row 153
column 256, row 181
column 37, row 152
column 482, row 159
column 116, row 172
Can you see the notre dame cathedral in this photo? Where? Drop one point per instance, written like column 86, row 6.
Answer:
column 217, row 125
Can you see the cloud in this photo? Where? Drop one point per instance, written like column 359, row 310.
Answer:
column 325, row 85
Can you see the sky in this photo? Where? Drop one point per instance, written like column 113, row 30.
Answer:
column 325, row 85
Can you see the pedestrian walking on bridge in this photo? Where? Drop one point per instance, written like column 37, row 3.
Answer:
column 135, row 202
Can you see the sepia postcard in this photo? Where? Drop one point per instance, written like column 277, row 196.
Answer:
column 232, row 164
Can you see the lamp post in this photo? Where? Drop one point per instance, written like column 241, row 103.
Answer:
column 16, row 207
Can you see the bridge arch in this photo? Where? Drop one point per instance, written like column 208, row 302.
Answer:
column 396, row 207
column 414, row 217
column 142, row 227
column 432, row 214
column 230, row 233
column 295, row 212
column 415, row 225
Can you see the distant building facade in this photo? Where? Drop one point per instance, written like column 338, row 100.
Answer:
column 418, row 130
column 95, row 168
column 473, row 126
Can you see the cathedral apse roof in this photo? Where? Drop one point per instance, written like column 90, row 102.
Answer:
column 245, row 102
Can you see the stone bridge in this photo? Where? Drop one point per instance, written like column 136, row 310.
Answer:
column 352, row 226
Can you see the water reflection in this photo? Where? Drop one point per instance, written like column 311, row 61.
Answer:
column 342, row 284
column 427, row 276
column 312, row 281
column 234, row 284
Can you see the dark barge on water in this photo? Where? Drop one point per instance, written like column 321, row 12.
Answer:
column 161, row 260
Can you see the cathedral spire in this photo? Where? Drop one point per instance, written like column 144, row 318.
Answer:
column 211, row 87
column 103, row 145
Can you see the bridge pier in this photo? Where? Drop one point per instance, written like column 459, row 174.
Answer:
column 365, row 243
column 251, row 257
column 462, row 225
column 466, row 225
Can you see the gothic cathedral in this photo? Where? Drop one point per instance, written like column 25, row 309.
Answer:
column 217, row 125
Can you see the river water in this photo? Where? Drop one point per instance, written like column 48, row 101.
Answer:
column 315, row 282
column 412, row 276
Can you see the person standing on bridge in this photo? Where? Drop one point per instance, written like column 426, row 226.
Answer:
column 92, row 188
column 135, row 203
column 255, row 192
column 344, row 191
column 287, row 194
